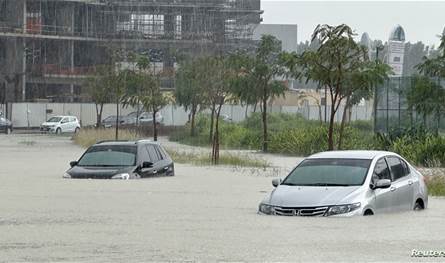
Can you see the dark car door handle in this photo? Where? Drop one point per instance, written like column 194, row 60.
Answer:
column 392, row 189
column 410, row 182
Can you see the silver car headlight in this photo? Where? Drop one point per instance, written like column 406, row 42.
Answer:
column 342, row 209
column 266, row 209
column 123, row 176
column 67, row 176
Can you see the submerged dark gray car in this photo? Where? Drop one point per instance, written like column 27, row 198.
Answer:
column 347, row 183
column 122, row 160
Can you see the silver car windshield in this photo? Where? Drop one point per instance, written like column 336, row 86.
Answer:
column 329, row 172
column 55, row 119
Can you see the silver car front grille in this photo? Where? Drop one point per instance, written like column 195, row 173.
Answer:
column 300, row 211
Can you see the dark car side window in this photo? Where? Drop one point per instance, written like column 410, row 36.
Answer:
column 381, row 171
column 397, row 169
column 153, row 154
column 159, row 152
column 144, row 157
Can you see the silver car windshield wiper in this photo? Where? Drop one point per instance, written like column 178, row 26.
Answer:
column 327, row 184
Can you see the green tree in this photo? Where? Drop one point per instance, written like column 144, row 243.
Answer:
column 426, row 97
column 98, row 87
column 218, row 92
column 339, row 64
column 258, row 75
column 147, row 90
column 190, row 87
column 434, row 67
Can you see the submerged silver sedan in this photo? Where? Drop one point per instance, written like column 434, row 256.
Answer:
column 347, row 183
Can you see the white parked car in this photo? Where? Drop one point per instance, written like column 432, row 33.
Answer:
column 144, row 118
column 61, row 124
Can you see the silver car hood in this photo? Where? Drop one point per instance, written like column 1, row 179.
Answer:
column 308, row 196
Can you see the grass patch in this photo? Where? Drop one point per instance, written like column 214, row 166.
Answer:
column 27, row 143
column 436, row 185
column 88, row 137
column 224, row 159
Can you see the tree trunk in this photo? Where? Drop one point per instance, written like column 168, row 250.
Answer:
column 99, row 110
column 343, row 123
column 215, row 145
column 320, row 115
column 117, row 121
column 349, row 114
column 264, row 111
column 155, row 127
column 247, row 108
column 192, row 122
column 331, row 129
column 212, row 119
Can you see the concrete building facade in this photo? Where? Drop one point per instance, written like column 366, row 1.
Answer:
column 49, row 47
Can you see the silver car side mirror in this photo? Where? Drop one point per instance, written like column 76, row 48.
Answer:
column 383, row 183
column 276, row 182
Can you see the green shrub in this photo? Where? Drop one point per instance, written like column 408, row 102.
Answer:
column 436, row 185
column 428, row 151
column 362, row 125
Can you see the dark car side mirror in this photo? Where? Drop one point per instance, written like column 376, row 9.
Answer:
column 382, row 184
column 147, row 165
column 73, row 163
column 276, row 182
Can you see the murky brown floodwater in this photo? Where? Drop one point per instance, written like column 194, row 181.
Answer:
column 201, row 214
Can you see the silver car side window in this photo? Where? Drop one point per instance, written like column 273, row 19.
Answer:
column 381, row 171
column 397, row 169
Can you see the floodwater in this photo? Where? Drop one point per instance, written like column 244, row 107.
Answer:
column 202, row 214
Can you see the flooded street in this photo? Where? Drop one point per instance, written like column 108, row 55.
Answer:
column 202, row 214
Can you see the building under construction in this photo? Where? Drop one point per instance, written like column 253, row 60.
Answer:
column 49, row 47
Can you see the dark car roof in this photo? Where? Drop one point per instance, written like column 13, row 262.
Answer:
column 128, row 143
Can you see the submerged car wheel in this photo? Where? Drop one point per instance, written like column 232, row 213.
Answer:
column 76, row 130
column 58, row 131
column 419, row 205
column 8, row 130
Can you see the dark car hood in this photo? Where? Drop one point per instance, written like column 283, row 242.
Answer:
column 98, row 172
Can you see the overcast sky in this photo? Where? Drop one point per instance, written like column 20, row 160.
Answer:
column 422, row 21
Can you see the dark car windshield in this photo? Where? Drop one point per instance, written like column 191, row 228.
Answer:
column 329, row 172
column 111, row 155
column 55, row 119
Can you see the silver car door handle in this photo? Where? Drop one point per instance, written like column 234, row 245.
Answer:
column 410, row 182
column 392, row 189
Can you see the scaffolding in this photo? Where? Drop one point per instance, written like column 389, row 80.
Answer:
column 51, row 46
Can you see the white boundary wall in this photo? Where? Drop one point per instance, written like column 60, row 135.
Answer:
column 33, row 114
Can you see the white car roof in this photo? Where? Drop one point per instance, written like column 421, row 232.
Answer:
column 351, row 154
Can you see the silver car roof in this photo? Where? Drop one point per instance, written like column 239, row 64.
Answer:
column 351, row 154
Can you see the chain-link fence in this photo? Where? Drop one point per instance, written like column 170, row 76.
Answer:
column 392, row 111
